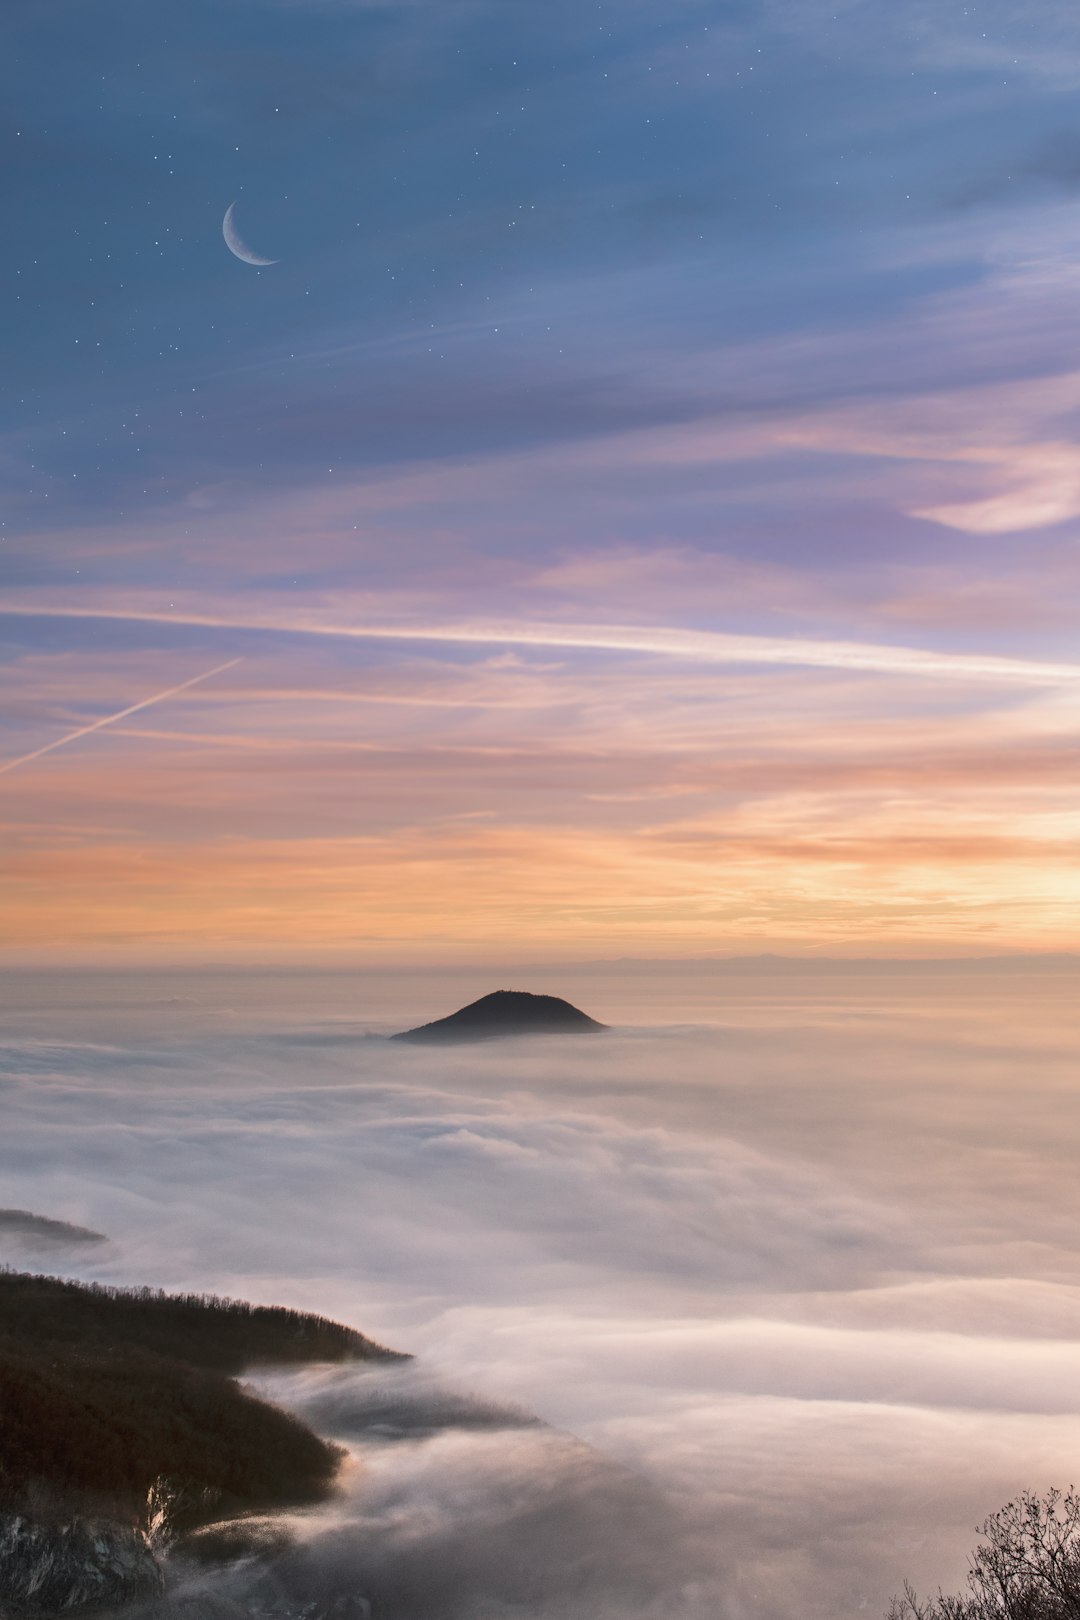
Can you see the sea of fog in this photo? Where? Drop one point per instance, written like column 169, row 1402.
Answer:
column 787, row 1264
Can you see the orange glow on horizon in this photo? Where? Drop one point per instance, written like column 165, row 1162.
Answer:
column 433, row 807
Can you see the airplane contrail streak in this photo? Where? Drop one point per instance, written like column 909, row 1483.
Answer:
column 111, row 719
column 695, row 646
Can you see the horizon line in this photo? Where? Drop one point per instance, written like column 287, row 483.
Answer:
column 778, row 959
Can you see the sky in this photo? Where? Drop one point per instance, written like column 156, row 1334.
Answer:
column 794, row 1289
column 641, row 495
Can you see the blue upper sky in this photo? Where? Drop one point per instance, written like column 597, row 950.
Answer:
column 496, row 224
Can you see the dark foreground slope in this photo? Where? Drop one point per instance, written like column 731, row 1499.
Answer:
column 505, row 1012
column 225, row 1335
column 103, row 1392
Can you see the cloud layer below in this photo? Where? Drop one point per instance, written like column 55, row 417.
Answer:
column 796, row 1288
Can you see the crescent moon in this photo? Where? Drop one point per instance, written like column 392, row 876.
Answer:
column 235, row 242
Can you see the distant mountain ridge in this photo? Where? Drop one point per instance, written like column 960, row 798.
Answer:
column 502, row 1013
column 23, row 1223
column 767, row 963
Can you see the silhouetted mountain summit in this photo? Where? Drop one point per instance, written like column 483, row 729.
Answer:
column 506, row 1012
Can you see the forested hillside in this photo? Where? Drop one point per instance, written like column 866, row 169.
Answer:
column 103, row 1391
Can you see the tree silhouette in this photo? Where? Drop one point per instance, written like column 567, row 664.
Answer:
column 1027, row 1567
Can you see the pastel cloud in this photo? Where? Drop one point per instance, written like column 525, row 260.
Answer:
column 579, row 790
column 712, row 547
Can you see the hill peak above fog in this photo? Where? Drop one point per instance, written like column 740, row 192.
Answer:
column 506, row 1012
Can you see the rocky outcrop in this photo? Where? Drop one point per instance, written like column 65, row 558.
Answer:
column 98, row 1567
column 51, row 1569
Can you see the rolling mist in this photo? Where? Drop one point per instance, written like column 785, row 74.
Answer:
column 751, row 1312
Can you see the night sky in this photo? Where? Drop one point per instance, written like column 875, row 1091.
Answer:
column 642, row 495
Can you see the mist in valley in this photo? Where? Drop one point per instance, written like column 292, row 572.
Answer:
column 751, row 1311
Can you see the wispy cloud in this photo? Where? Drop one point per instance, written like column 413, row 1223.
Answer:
column 693, row 646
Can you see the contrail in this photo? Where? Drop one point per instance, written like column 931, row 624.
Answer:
column 111, row 719
column 695, row 646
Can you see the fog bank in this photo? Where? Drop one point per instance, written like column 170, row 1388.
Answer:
column 790, row 1277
